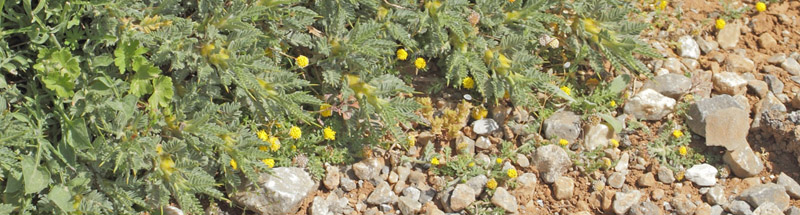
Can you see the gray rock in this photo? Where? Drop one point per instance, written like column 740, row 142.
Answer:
column 777, row 59
column 740, row 208
column 523, row 161
column 689, row 47
column 408, row 206
column 319, row 206
column 623, row 163
column 759, row 88
column 792, row 211
column 717, row 210
column 702, row 175
column 484, row 126
column 766, row 41
column 759, row 194
column 672, row 85
column 645, row 208
column 477, row 183
column 331, row 180
column 729, row 83
column 564, row 125
column 382, row 194
column 624, row 201
column 673, row 65
column 706, row 45
column 385, row 207
column 739, row 64
column 728, row 37
column 483, row 143
column 791, row 66
column 775, row 84
column 505, row 200
column 646, row 180
column 691, row 64
column 278, row 193
column 665, row 175
column 791, row 186
column 462, row 197
column 649, row 105
column 716, row 196
column 527, row 180
column 743, row 162
column 683, row 206
column 551, row 161
column 563, row 188
column 402, row 173
column 427, row 196
column 768, row 208
column 728, row 128
column 347, row 184
column 696, row 116
column 597, row 136
column 412, row 192
column 616, row 180
column 703, row 208
column 367, row 169
column 465, row 145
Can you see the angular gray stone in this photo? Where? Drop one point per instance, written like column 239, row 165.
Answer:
column 729, row 83
column 665, row 175
column 673, row 65
column 505, row 200
column 616, row 180
column 523, row 161
column 484, row 126
column 278, row 193
column 483, row 143
column 671, row 84
column 649, row 105
column 766, row 41
column 759, row 194
column 768, row 208
column 740, row 208
column 739, row 64
column 696, row 116
column 332, row 175
column 792, row 211
column 717, row 210
column 759, row 88
column 646, row 180
column 706, row 45
column 347, row 184
column 319, row 206
column 367, row 169
column 564, row 125
column 791, row 186
column 624, row 201
column 728, row 128
column 683, row 206
column 743, row 162
column 623, row 163
column 728, row 37
column 716, row 196
column 412, row 192
column 465, row 145
column 477, row 183
column 645, row 208
column 551, row 161
column 689, row 47
column 777, row 59
column 408, row 206
column 597, row 136
column 775, row 84
column 563, row 188
column 702, row 175
column 462, row 197
column 382, row 194
column 791, row 66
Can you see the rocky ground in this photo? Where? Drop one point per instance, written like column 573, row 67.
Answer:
column 743, row 113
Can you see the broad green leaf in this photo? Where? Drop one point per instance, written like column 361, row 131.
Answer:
column 60, row 71
column 6, row 208
column 145, row 71
column 619, row 83
column 77, row 135
column 125, row 52
column 35, row 181
column 162, row 92
column 60, row 196
column 615, row 124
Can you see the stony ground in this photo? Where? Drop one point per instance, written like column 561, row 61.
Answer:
column 743, row 112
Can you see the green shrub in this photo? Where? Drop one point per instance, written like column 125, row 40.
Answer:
column 123, row 106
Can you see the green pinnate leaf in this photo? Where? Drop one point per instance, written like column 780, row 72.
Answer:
column 126, row 52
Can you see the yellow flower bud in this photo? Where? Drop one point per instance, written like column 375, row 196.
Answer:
column 761, row 7
column 512, row 173
column 491, row 184
column 302, row 61
column 435, row 161
column 329, row 134
column 720, row 24
column 420, row 63
column 295, row 132
column 468, row 83
column 269, row 162
column 402, row 54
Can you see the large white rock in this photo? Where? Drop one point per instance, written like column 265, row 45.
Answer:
column 278, row 193
column 729, row 83
column 689, row 47
column 649, row 105
column 702, row 175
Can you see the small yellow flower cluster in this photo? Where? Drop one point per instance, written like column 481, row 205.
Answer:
column 761, row 7
column 295, row 132
column 720, row 24
column 471, row 164
column 614, row 143
column 325, row 110
column 275, row 144
column 468, row 83
column 512, row 173
column 234, row 164
column 269, row 162
column 563, row 142
column 607, row 163
column 679, row 175
column 499, row 160
column 682, row 150
column 328, row 134
column 566, row 90
column 302, row 61
column 479, row 113
column 491, row 184
column 402, row 54
column 677, row 133
column 412, row 141
column 435, row 161
column 612, row 103
column 420, row 63
column 662, row 5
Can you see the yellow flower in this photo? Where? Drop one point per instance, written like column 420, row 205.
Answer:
column 662, row 5
column 302, row 61
column 234, row 165
column 512, row 173
column 499, row 160
column 269, row 162
column 614, row 143
column 566, row 90
column 677, row 133
column 563, row 142
column 275, row 143
column 402, row 54
column 329, row 134
column 468, row 82
column 613, row 103
column 679, row 175
column 435, row 161
column 720, row 24
column 420, row 63
column 491, row 184
column 206, row 49
column 761, row 7
column 479, row 113
column 471, row 164
column 682, row 150
column 325, row 110
column 262, row 134
column 412, row 140
column 167, row 164
column 295, row 132
column 511, row 1
column 607, row 163
column 262, row 148
column 159, row 149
